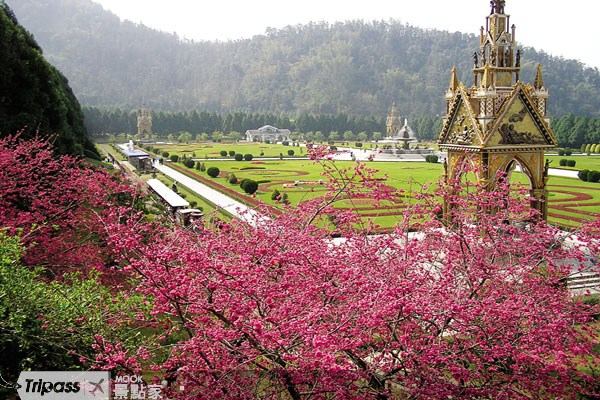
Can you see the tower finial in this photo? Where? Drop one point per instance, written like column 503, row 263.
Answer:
column 539, row 79
column 497, row 6
column 454, row 80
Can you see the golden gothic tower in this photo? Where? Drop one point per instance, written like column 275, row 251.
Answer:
column 393, row 123
column 499, row 121
column 144, row 124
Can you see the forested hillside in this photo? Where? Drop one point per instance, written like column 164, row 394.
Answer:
column 355, row 67
column 35, row 98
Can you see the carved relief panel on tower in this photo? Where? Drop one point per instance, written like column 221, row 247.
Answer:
column 463, row 132
column 517, row 128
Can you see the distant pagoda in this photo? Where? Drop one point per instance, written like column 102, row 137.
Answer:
column 499, row 121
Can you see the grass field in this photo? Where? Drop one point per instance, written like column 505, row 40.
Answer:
column 571, row 201
column 213, row 150
column 582, row 162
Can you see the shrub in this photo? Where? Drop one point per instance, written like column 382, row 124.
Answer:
column 290, row 152
column 358, row 144
column 583, row 174
column 568, row 152
column 156, row 151
column 232, row 179
column 174, row 158
column 582, row 148
column 561, row 152
column 243, row 182
column 239, row 157
column 571, row 163
column 594, row 176
column 250, row 186
column 275, row 195
column 223, row 153
column 165, row 154
column 198, row 165
column 232, row 153
column 431, row 158
column 285, row 199
column 267, row 141
column 285, row 143
column 248, row 157
column 562, row 162
column 189, row 163
column 588, row 148
column 213, row 172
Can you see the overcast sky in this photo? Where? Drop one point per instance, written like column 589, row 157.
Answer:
column 561, row 28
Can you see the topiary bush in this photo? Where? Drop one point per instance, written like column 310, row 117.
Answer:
column 232, row 153
column 358, row 144
column 594, row 176
column 290, row 152
column 248, row 157
column 165, row 154
column 239, row 157
column 189, row 163
column 561, row 152
column 213, row 172
column 232, row 179
column 174, row 158
column 583, row 174
column 250, row 186
column 562, row 162
column 285, row 143
column 568, row 152
column 431, row 158
column 223, row 153
column 571, row 163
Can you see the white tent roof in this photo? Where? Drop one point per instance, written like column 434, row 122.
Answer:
column 167, row 194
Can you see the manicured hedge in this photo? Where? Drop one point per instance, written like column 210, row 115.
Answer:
column 213, row 172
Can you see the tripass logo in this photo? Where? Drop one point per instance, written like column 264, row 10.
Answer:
column 64, row 385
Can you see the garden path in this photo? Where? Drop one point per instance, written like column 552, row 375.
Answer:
column 234, row 207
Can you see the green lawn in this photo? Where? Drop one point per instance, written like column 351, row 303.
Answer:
column 582, row 162
column 570, row 200
column 212, row 150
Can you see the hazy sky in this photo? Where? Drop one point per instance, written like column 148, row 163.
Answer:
column 561, row 28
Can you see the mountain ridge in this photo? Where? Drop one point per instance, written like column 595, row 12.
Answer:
column 354, row 67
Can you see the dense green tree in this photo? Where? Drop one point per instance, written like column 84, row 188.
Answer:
column 35, row 98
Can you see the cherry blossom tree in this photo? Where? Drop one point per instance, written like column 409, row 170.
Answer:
column 476, row 307
column 59, row 205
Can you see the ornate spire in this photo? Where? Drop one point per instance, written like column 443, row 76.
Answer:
column 453, row 81
column 538, row 83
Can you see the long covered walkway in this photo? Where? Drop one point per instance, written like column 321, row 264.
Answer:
column 234, row 207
